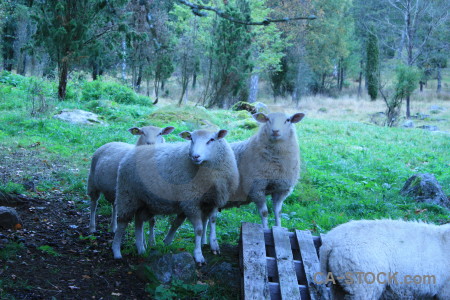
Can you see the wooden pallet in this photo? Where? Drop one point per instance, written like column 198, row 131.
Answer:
column 277, row 264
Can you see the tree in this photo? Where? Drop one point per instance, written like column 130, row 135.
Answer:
column 231, row 57
column 372, row 66
column 407, row 78
column 68, row 28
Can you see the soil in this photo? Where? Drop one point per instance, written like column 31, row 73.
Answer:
column 79, row 268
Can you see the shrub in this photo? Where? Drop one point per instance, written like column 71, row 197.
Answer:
column 99, row 90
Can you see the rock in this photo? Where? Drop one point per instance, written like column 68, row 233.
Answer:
column 429, row 127
column 226, row 274
column 425, row 188
column 242, row 105
column 421, row 116
column 378, row 118
column 408, row 124
column 9, row 218
column 261, row 107
column 78, row 116
column 179, row 266
column 435, row 109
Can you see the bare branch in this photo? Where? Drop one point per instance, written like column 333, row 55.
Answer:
column 197, row 10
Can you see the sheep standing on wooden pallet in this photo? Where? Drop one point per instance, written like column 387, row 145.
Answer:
column 268, row 163
column 105, row 163
column 192, row 179
column 391, row 255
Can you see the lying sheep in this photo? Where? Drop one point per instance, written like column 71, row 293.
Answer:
column 268, row 163
column 392, row 256
column 191, row 179
column 105, row 163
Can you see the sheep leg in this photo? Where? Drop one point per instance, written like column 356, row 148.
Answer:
column 113, row 225
column 198, row 229
column 260, row 200
column 277, row 199
column 94, row 195
column 118, row 235
column 212, row 232
column 151, row 236
column 173, row 229
column 139, row 231
column 205, row 227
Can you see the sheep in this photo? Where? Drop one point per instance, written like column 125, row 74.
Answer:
column 268, row 163
column 105, row 163
column 373, row 259
column 190, row 179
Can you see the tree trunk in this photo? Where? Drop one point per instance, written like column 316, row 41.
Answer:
column 194, row 80
column 124, row 60
column 341, row 76
column 421, row 85
column 63, row 73
column 94, row 71
column 139, row 78
column 253, row 93
column 439, row 80
column 408, row 110
column 360, row 80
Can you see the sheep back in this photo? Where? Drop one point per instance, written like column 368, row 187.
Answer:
column 104, row 167
column 409, row 248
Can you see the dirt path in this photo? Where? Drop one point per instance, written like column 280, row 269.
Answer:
column 59, row 260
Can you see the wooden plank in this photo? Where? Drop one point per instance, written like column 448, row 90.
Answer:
column 272, row 271
column 311, row 264
column 275, row 292
column 285, row 264
column 269, row 239
column 255, row 284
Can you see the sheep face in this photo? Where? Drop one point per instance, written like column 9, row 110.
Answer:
column 150, row 135
column 202, row 144
column 277, row 126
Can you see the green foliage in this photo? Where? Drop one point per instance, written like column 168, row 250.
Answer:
column 10, row 250
column 12, row 188
column 407, row 79
column 372, row 66
column 8, row 78
column 49, row 250
column 106, row 90
column 179, row 290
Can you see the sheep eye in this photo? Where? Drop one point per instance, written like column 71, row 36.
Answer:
column 211, row 140
column 288, row 120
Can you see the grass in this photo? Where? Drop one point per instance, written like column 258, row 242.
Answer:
column 351, row 169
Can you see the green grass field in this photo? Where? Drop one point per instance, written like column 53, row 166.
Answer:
column 350, row 169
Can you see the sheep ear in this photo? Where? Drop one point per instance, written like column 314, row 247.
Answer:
column 136, row 131
column 260, row 117
column 167, row 130
column 221, row 134
column 295, row 118
column 186, row 135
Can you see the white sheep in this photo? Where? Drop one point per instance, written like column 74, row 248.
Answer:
column 191, row 179
column 388, row 259
column 268, row 163
column 105, row 163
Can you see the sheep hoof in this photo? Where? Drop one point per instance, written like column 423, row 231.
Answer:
column 216, row 252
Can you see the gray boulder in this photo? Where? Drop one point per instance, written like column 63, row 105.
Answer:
column 9, row 217
column 408, row 124
column 78, row 116
column 261, row 107
column 425, row 188
column 179, row 266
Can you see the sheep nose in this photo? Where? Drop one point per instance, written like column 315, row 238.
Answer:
column 196, row 156
column 276, row 132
